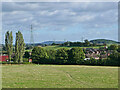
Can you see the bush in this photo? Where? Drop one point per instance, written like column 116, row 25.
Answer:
column 113, row 47
column 51, row 56
column 62, row 56
column 25, row 60
column 39, row 55
column 72, row 56
column 26, row 55
column 4, row 62
column 76, row 56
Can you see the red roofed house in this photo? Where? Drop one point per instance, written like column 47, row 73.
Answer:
column 4, row 58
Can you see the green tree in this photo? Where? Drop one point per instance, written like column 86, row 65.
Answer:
column 87, row 43
column 51, row 54
column 119, row 48
column 76, row 56
column 9, row 44
column 19, row 47
column 26, row 55
column 62, row 55
column 113, row 47
column 39, row 55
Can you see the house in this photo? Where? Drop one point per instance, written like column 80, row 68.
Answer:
column 4, row 58
column 30, row 60
column 93, row 55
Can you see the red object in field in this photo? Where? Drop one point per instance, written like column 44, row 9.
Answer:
column 30, row 60
column 3, row 58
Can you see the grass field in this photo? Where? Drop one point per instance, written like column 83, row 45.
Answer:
column 59, row 76
column 57, row 47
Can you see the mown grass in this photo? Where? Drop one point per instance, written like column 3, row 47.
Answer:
column 59, row 76
column 55, row 47
column 58, row 47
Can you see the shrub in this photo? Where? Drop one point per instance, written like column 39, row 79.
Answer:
column 26, row 55
column 25, row 60
column 51, row 56
column 76, row 56
column 113, row 47
column 39, row 55
column 62, row 56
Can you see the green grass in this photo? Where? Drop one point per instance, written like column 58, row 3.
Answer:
column 59, row 76
column 30, row 50
column 58, row 47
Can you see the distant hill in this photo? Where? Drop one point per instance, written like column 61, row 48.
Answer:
column 102, row 41
column 50, row 42
column 47, row 43
column 98, row 41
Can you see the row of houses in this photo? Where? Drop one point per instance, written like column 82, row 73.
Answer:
column 97, row 53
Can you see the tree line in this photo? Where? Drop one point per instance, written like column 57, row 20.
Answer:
column 19, row 46
column 60, row 56
column 40, row 55
column 86, row 43
column 72, row 56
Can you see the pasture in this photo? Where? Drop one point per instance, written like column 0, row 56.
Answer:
column 55, row 47
column 59, row 76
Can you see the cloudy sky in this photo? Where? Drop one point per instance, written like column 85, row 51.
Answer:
column 61, row 21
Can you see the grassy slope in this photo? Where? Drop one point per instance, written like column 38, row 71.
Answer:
column 57, row 47
column 59, row 76
column 104, row 40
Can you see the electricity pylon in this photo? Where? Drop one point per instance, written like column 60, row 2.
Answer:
column 31, row 36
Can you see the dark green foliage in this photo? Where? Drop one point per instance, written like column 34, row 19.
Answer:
column 26, row 55
column 8, row 44
column 72, row 56
column 87, row 43
column 114, row 58
column 76, row 56
column 3, row 48
column 39, row 55
column 119, row 48
column 62, row 56
column 80, row 44
column 113, row 47
column 51, row 56
column 19, row 48
column 28, row 47
column 53, row 44
column 103, row 41
column 92, row 61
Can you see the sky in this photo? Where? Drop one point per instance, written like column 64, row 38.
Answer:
column 59, row 21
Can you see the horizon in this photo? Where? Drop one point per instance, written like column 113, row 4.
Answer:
column 61, row 21
column 61, row 41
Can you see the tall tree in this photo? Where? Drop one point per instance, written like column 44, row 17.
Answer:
column 19, row 47
column 9, row 44
column 62, row 56
column 87, row 43
column 39, row 55
column 16, row 49
column 113, row 47
column 76, row 56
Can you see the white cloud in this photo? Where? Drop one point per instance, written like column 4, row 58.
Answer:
column 59, row 16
